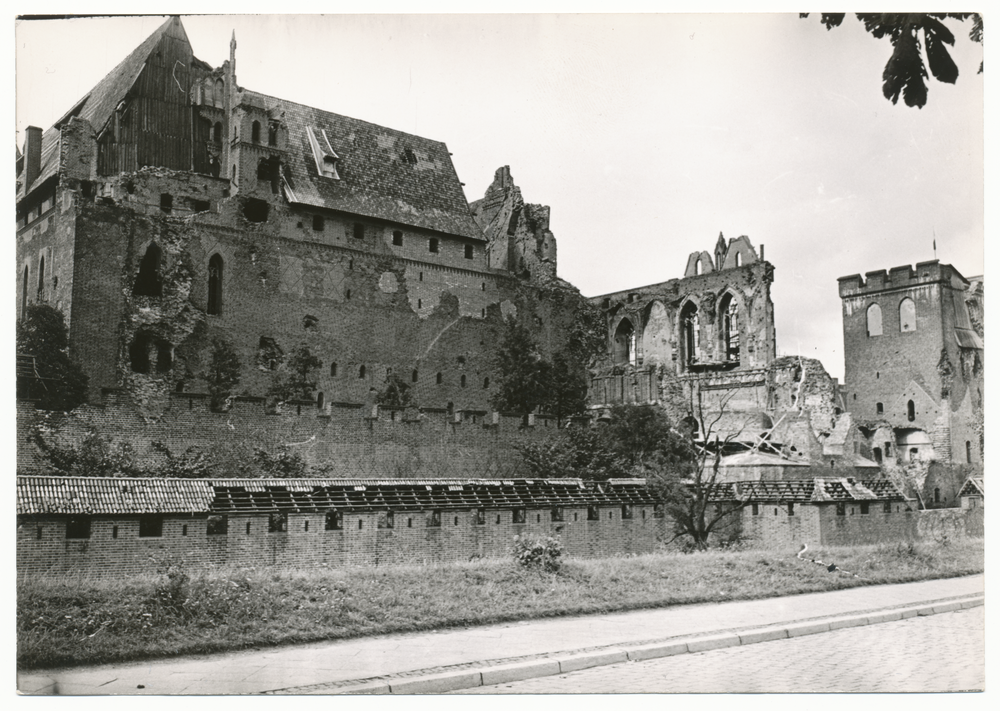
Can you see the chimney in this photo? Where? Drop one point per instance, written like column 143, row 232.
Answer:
column 32, row 155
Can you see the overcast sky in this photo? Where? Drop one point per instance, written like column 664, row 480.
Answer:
column 648, row 135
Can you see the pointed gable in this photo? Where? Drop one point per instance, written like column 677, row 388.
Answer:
column 98, row 105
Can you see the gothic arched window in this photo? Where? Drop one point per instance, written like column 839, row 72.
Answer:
column 689, row 333
column 729, row 317
column 874, row 320
column 624, row 345
column 907, row 315
column 149, row 282
column 215, row 285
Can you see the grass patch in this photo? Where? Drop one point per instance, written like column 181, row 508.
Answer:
column 94, row 620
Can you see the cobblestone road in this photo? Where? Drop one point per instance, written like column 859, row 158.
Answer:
column 943, row 652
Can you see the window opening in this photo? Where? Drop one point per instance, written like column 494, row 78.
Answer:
column 248, row 528
column 791, row 508
column 334, row 521
column 627, row 512
column 41, row 278
column 166, row 203
column 149, row 282
column 151, row 526
column 462, row 381
column 78, row 527
column 937, row 496
column 318, row 223
column 434, row 520
column 730, row 329
column 593, row 514
column 907, row 315
column 432, row 245
column 878, row 408
column 519, row 516
column 440, row 378
column 333, row 370
column 911, row 411
column 255, row 210
column 968, row 452
column 864, row 508
column 690, row 333
column 272, row 133
column 359, row 230
column 319, row 401
column 218, row 525
column 624, row 343
column 114, row 532
column 480, row 517
column 874, row 316
column 413, row 376
column 755, row 509
column 469, row 251
column 215, row 285
column 255, row 132
column 486, row 383
column 269, row 354
column 217, row 132
column 397, row 238
column 184, row 530
column 361, row 372
column 277, row 522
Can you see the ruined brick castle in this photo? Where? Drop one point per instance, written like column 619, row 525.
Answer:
column 171, row 208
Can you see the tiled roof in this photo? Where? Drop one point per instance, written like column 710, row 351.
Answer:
column 973, row 487
column 92, row 495
column 384, row 173
column 98, row 105
column 37, row 495
column 807, row 491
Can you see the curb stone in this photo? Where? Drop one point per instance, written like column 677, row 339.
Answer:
column 561, row 663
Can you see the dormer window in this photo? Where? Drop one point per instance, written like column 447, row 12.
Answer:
column 323, row 154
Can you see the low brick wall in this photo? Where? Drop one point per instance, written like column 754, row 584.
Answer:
column 114, row 545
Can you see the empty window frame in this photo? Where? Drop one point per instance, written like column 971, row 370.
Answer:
column 627, row 512
column 78, row 527
column 333, row 370
column 864, row 508
column 557, row 514
column 874, row 320
column 879, row 408
column 166, row 203
column 911, row 411
column 334, row 521
column 519, row 516
column 432, row 245
column 318, row 223
column 470, row 251
column 729, row 314
column 907, row 315
column 841, row 508
column 277, row 522
column 359, row 230
column 593, row 513
column 151, row 526
column 397, row 238
column 690, row 333
column 148, row 282
column 480, row 517
column 387, row 519
column 791, row 508
column 218, row 525
column 624, row 343
column 434, row 519
column 255, row 132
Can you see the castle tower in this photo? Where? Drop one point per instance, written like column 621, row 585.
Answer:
column 913, row 361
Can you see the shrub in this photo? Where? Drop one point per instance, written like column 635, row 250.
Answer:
column 537, row 552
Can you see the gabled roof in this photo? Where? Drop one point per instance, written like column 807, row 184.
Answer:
column 100, row 102
column 973, row 486
column 384, row 173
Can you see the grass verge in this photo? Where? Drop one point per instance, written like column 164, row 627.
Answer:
column 95, row 620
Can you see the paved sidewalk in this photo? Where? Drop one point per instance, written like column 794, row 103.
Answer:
column 325, row 665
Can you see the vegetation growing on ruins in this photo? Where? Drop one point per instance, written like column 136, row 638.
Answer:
column 97, row 455
column 395, row 394
column 61, row 382
column 74, row 620
column 223, row 375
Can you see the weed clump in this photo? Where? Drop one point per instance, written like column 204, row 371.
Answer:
column 537, row 552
